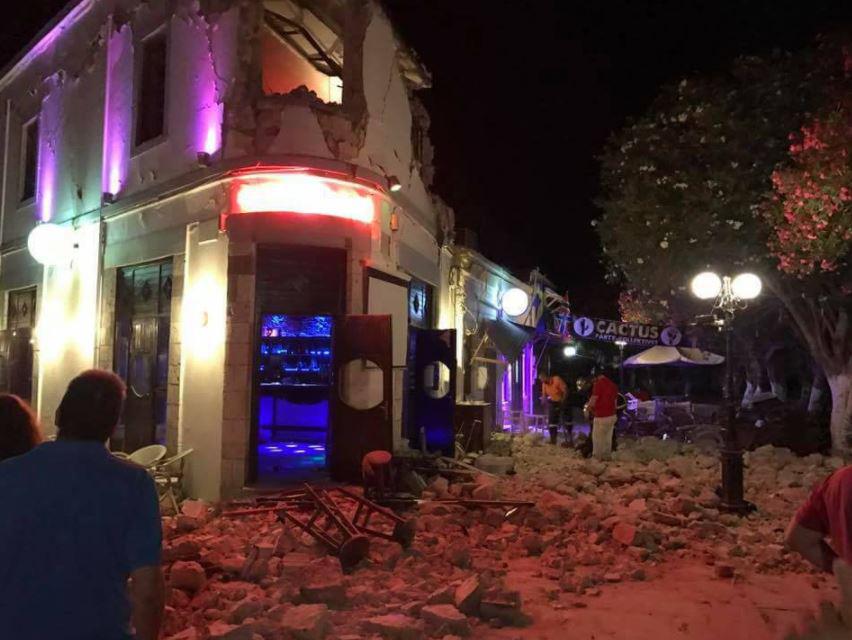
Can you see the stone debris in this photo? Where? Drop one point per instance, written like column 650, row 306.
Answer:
column 593, row 525
column 394, row 626
column 445, row 618
column 188, row 576
column 306, row 622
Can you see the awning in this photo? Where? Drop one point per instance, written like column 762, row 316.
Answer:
column 508, row 337
column 677, row 356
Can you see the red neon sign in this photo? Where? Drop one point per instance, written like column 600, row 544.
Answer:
column 303, row 193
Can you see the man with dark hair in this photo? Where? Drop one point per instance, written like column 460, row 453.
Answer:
column 76, row 523
column 602, row 407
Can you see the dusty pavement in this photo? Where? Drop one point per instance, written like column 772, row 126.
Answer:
column 631, row 549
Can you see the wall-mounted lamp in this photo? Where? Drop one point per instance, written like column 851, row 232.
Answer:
column 50, row 244
column 515, row 301
column 107, row 197
column 204, row 159
column 394, row 184
column 394, row 220
column 569, row 351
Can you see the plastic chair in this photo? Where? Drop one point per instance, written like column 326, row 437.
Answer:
column 168, row 475
column 148, row 456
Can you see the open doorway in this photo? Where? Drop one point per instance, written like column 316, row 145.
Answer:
column 294, row 374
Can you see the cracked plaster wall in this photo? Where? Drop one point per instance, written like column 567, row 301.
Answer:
column 62, row 83
column 200, row 68
column 81, row 82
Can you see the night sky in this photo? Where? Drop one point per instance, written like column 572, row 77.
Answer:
column 525, row 93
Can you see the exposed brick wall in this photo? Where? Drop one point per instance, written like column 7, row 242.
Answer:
column 173, row 394
column 236, row 418
column 106, row 327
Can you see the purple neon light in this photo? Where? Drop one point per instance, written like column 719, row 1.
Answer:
column 207, row 103
column 49, row 129
column 209, row 129
column 118, row 116
column 528, row 364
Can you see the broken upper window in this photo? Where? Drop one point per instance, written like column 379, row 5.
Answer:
column 300, row 49
column 151, row 93
column 29, row 165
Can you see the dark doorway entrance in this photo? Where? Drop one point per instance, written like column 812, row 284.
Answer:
column 294, row 380
column 141, row 357
column 16, row 349
column 300, row 291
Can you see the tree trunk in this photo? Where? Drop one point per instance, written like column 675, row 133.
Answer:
column 841, row 412
column 817, row 392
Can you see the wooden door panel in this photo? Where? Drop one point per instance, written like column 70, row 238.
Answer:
column 362, row 398
column 434, row 388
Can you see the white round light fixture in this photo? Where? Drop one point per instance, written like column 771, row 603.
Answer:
column 706, row 285
column 746, row 286
column 569, row 351
column 49, row 244
column 515, row 301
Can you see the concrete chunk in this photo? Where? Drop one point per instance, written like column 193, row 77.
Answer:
column 394, row 626
column 446, row 618
column 307, row 621
column 188, row 576
column 467, row 596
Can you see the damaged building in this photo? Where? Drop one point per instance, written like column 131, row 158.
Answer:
column 227, row 202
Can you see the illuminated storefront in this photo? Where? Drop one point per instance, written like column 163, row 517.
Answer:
column 505, row 323
column 255, row 270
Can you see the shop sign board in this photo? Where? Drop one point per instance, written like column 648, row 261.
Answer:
column 631, row 332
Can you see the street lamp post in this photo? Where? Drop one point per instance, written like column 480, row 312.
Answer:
column 729, row 295
column 621, row 344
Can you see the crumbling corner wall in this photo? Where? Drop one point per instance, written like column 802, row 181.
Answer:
column 297, row 122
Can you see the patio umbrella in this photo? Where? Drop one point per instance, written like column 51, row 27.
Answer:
column 677, row 356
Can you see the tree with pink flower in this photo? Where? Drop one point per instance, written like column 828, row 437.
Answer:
column 745, row 170
column 809, row 213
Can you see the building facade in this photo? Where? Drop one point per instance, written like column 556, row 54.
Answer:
column 227, row 202
column 505, row 326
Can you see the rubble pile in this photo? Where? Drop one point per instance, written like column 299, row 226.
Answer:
column 255, row 576
column 662, row 495
column 593, row 524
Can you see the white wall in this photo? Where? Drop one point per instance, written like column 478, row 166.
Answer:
column 388, row 147
column 65, row 335
column 203, row 321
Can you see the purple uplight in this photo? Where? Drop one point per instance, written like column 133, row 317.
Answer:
column 48, row 139
column 118, row 117
column 211, row 129
column 46, row 186
column 208, row 109
column 528, row 369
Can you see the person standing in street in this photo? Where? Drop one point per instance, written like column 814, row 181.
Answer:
column 827, row 514
column 80, row 531
column 602, row 408
column 554, row 391
column 574, row 402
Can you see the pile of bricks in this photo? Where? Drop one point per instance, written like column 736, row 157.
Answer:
column 592, row 525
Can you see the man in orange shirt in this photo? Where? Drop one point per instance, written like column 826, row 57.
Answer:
column 555, row 391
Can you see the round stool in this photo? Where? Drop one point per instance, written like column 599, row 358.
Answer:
column 375, row 471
